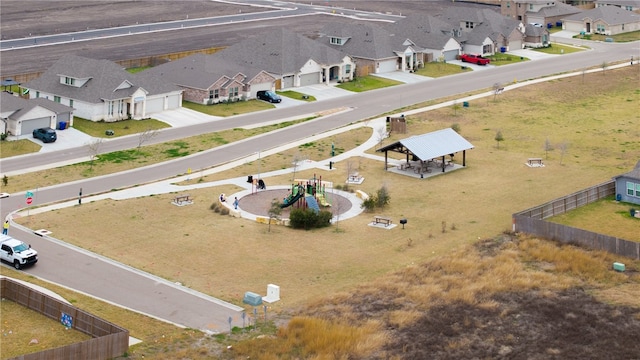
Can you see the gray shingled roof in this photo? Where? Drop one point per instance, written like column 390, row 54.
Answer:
column 366, row 41
column 52, row 105
column 611, row 15
column 200, row 71
column 426, row 31
column 18, row 106
column 431, row 145
column 635, row 173
column 487, row 23
column 280, row 51
column 105, row 77
column 560, row 9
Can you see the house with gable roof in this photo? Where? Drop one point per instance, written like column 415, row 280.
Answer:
column 606, row 20
column 20, row 116
column 484, row 31
column 436, row 38
column 210, row 79
column 293, row 59
column 101, row 90
column 628, row 186
column 370, row 46
column 538, row 12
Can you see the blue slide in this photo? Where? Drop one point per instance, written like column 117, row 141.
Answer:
column 291, row 199
column 312, row 203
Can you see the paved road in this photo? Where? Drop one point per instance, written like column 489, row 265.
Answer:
column 90, row 274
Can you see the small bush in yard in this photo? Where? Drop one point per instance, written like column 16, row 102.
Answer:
column 308, row 219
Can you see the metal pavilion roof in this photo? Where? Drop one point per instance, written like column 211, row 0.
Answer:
column 431, row 145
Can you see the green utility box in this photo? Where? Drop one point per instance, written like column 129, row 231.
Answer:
column 252, row 299
column 618, row 266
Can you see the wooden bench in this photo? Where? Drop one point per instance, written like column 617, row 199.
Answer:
column 535, row 162
column 382, row 220
column 183, row 200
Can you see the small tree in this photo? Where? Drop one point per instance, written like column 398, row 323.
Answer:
column 499, row 138
column 456, row 127
column 604, row 67
column 274, row 211
column 146, row 136
column 94, row 149
column 547, row 147
column 455, row 107
column 382, row 134
column 5, row 180
column 382, row 197
column 564, row 147
column 497, row 90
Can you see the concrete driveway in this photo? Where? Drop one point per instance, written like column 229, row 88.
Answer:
column 67, row 138
column 323, row 92
column 184, row 117
column 403, row 76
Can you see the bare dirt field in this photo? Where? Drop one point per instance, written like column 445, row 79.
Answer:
column 31, row 18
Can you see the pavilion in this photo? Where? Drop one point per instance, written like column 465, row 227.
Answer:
column 428, row 150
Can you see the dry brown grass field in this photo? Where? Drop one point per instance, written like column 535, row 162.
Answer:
column 359, row 273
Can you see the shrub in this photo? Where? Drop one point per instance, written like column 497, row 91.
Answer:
column 224, row 211
column 308, row 219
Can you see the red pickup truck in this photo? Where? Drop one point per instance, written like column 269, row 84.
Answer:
column 474, row 59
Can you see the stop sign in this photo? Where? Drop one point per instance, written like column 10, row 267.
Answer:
column 29, row 200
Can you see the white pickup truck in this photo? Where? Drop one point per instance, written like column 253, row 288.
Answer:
column 16, row 252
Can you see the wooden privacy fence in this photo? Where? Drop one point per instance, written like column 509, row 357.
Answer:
column 108, row 340
column 531, row 221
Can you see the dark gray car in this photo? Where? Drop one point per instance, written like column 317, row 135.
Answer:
column 47, row 135
column 269, row 96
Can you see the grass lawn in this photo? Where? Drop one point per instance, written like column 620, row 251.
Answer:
column 559, row 49
column 609, row 214
column 626, row 37
column 229, row 109
column 120, row 128
column 366, row 83
column 505, row 59
column 438, row 69
column 297, row 95
column 18, row 147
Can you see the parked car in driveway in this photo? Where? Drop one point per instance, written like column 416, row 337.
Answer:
column 268, row 95
column 47, row 135
column 475, row 59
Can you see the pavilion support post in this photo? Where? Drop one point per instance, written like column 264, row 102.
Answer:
column 464, row 157
column 443, row 163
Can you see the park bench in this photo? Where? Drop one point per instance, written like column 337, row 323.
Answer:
column 382, row 220
column 535, row 162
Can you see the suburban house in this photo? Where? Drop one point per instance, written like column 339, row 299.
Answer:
column 293, row 59
column 370, row 46
column 101, row 90
column 484, row 31
column 436, row 37
column 628, row 186
column 536, row 36
column 210, row 79
column 606, row 20
column 630, row 5
column 537, row 12
column 21, row 116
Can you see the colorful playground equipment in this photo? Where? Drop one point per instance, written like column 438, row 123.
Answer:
column 309, row 193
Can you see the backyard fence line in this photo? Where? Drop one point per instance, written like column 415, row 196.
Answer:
column 532, row 221
column 107, row 340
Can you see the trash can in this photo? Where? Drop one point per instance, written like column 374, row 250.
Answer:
column 632, row 212
column 465, row 104
column 62, row 125
column 503, row 49
column 618, row 197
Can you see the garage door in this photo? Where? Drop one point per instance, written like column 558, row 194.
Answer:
column 64, row 117
column 387, row 66
column 515, row 45
column 173, row 102
column 310, row 79
column 259, row 87
column 287, row 82
column 450, row 55
column 29, row 125
column 154, row 105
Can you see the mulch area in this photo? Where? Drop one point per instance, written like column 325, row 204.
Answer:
column 260, row 202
